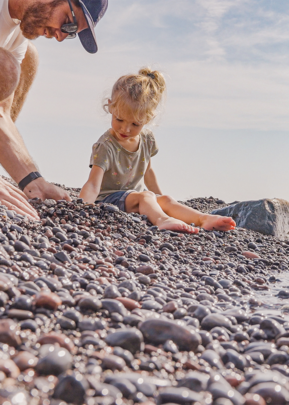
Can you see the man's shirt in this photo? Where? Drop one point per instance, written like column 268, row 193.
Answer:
column 11, row 37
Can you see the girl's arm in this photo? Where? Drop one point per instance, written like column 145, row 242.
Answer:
column 90, row 190
column 150, row 180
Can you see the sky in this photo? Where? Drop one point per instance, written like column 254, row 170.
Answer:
column 224, row 128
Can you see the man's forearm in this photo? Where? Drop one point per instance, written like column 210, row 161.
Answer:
column 14, row 156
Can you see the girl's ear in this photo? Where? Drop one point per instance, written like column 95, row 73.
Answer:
column 109, row 106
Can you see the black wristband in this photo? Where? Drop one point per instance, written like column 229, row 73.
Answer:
column 31, row 176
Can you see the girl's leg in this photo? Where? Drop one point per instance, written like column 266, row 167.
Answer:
column 176, row 210
column 145, row 203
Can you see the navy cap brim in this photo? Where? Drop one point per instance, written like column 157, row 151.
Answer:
column 87, row 36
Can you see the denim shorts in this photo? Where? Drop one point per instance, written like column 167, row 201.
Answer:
column 117, row 198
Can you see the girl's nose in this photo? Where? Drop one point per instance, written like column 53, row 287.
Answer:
column 126, row 129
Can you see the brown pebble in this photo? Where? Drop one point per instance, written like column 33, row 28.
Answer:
column 5, row 283
column 250, row 255
column 254, row 399
column 9, row 368
column 49, row 233
column 152, row 349
column 9, row 332
column 192, row 365
column 25, row 360
column 103, row 280
column 69, row 248
column 115, row 272
column 60, row 338
column 171, row 306
column 47, row 300
column 118, row 252
column 129, row 303
column 146, row 270
column 20, row 314
column 234, row 379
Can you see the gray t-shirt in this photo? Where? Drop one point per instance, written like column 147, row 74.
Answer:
column 123, row 170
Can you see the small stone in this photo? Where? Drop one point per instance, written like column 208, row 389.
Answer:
column 161, row 330
column 130, row 339
column 47, row 300
column 9, row 332
column 55, row 362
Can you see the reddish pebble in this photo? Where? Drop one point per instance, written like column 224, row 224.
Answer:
column 129, row 303
column 250, row 255
column 69, row 248
column 9, row 332
column 191, row 365
column 60, row 338
column 118, row 253
column 25, row 360
column 146, row 270
column 8, row 367
column 103, row 280
column 108, row 270
column 171, row 306
column 234, row 379
column 254, row 399
column 152, row 349
column 82, row 266
column 49, row 233
column 47, row 300
column 208, row 259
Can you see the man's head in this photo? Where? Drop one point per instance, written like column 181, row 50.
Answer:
column 47, row 17
column 9, row 74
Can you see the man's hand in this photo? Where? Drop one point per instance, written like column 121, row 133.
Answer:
column 40, row 188
column 15, row 200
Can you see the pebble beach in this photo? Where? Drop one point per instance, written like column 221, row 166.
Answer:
column 100, row 307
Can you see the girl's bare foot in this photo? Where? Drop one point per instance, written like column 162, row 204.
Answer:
column 173, row 224
column 218, row 223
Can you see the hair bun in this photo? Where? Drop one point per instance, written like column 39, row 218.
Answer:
column 151, row 75
column 157, row 77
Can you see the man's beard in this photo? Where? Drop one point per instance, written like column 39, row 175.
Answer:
column 37, row 16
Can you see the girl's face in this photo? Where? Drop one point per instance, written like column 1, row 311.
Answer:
column 124, row 125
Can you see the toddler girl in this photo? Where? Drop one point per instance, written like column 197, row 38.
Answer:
column 121, row 168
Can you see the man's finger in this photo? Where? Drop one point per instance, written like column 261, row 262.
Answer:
column 23, row 200
column 67, row 197
column 18, row 191
column 19, row 207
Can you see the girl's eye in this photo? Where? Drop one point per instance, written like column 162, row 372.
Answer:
column 119, row 120
column 136, row 125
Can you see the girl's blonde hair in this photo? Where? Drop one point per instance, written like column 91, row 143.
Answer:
column 141, row 93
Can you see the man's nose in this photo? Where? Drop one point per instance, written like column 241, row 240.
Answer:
column 59, row 35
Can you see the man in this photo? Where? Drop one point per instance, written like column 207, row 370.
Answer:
column 20, row 21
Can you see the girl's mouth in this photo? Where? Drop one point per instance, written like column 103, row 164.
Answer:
column 124, row 136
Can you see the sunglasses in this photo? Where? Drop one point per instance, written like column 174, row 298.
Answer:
column 70, row 28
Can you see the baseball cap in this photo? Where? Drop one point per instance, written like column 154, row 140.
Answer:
column 93, row 10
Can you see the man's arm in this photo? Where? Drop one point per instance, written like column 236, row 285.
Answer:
column 29, row 68
column 150, row 180
column 14, row 156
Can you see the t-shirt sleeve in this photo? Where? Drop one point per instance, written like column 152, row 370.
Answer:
column 19, row 47
column 100, row 156
column 153, row 147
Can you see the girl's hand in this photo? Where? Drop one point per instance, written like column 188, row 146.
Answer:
column 91, row 188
